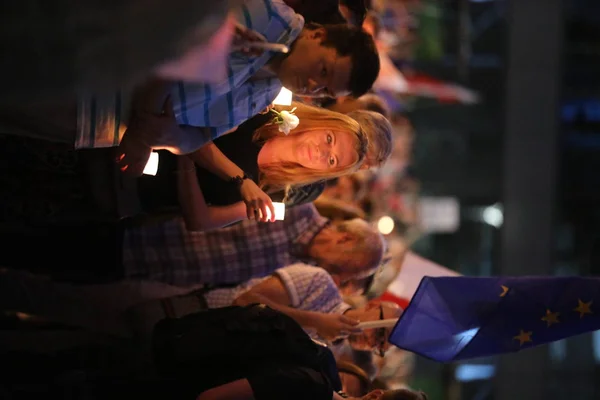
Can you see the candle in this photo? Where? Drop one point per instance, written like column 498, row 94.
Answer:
column 279, row 211
column 284, row 98
column 380, row 323
column 152, row 165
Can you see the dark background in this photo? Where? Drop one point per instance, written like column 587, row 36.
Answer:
column 533, row 147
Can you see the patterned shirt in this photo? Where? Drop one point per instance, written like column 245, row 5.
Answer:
column 167, row 252
column 309, row 288
column 247, row 90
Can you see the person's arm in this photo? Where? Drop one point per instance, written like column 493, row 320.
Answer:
column 211, row 158
column 236, row 390
column 149, row 128
column 198, row 216
column 307, row 319
column 151, row 96
column 272, row 292
column 153, row 121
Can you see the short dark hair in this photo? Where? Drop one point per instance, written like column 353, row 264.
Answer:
column 360, row 46
column 376, row 103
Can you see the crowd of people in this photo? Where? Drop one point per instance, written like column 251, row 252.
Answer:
column 199, row 291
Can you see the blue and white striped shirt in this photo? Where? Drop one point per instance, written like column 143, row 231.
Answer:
column 221, row 106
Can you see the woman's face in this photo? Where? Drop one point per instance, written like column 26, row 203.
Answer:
column 324, row 150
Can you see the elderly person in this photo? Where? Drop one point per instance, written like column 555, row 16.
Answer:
column 307, row 294
column 165, row 251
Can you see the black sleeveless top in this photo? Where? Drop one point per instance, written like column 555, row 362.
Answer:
column 160, row 192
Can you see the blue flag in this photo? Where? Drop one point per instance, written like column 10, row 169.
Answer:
column 458, row 318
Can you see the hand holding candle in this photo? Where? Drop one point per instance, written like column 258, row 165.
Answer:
column 279, row 211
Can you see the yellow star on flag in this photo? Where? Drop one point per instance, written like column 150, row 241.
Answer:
column 551, row 317
column 523, row 337
column 504, row 290
column 583, row 308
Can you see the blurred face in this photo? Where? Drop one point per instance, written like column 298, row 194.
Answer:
column 342, row 190
column 313, row 70
column 346, row 104
column 334, row 249
column 322, row 150
column 374, row 339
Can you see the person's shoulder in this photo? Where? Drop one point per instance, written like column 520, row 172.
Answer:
column 306, row 279
column 286, row 12
column 281, row 6
column 305, row 194
column 304, row 210
column 252, row 124
column 301, row 269
column 294, row 275
column 303, row 214
column 253, row 9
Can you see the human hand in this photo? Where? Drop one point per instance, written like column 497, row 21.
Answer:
column 333, row 326
column 257, row 202
column 146, row 131
column 132, row 155
column 156, row 130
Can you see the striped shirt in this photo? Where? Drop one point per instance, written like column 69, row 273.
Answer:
column 309, row 288
column 167, row 252
column 221, row 106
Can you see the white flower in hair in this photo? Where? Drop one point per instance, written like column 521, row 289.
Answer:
column 286, row 120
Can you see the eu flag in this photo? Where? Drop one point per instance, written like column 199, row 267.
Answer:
column 458, row 318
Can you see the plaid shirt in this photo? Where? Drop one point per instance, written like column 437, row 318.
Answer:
column 309, row 288
column 220, row 106
column 167, row 252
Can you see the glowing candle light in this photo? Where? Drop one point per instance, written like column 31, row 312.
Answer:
column 284, row 98
column 152, row 165
column 279, row 211
column 385, row 225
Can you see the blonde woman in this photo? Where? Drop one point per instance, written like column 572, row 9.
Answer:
column 235, row 174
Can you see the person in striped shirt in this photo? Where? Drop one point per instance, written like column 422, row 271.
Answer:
column 323, row 60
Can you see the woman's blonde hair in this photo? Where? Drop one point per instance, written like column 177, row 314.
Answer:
column 285, row 175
